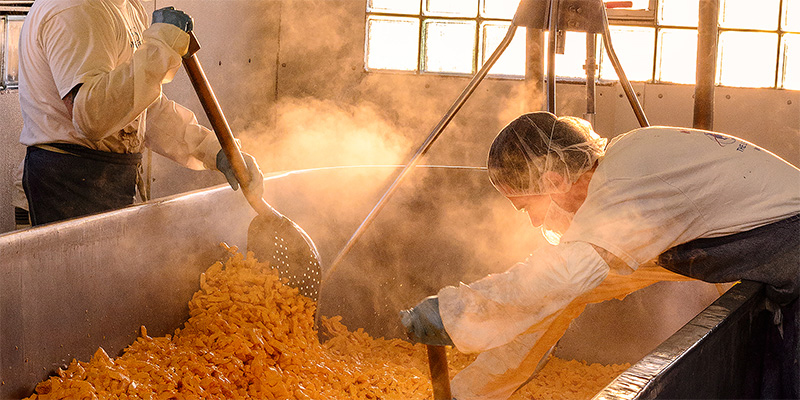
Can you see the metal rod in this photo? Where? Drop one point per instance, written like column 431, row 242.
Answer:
column 534, row 69
column 707, row 30
column 591, row 68
column 551, row 56
column 440, row 376
column 437, row 130
column 623, row 79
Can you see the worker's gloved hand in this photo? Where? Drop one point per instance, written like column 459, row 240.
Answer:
column 424, row 324
column 169, row 15
column 252, row 168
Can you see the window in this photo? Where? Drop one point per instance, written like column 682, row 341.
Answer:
column 457, row 36
column 12, row 26
column 12, row 15
column 442, row 36
column 656, row 40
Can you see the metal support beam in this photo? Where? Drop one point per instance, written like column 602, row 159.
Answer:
column 707, row 33
column 534, row 69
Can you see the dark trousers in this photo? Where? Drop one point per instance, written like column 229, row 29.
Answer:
column 76, row 181
column 769, row 254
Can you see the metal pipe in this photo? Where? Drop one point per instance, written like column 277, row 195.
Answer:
column 534, row 69
column 707, row 30
column 437, row 130
column 591, row 68
column 552, row 28
column 623, row 79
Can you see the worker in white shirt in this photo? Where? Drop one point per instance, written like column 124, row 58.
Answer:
column 90, row 93
column 701, row 204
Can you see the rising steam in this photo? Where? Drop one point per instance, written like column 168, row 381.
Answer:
column 312, row 133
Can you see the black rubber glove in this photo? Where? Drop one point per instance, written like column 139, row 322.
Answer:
column 252, row 168
column 424, row 324
column 169, row 15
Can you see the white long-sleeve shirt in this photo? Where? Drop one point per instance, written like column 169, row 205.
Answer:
column 105, row 46
column 654, row 189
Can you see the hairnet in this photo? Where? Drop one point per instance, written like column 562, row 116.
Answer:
column 536, row 143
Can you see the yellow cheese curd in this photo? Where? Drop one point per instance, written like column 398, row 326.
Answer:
column 251, row 337
column 569, row 380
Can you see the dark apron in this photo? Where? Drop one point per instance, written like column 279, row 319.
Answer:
column 769, row 254
column 63, row 181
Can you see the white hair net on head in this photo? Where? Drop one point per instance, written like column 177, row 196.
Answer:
column 536, row 143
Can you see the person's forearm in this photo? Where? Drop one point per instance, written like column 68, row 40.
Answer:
column 173, row 131
column 492, row 311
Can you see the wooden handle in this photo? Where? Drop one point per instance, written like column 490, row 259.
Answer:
column 440, row 376
column 221, row 128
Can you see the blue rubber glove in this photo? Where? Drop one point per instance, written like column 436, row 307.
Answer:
column 169, row 15
column 424, row 324
column 252, row 167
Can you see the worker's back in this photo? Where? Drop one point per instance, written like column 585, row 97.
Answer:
column 659, row 187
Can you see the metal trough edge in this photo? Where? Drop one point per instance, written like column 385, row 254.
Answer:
column 706, row 358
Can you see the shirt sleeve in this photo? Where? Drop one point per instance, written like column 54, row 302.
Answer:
column 77, row 44
column 494, row 310
column 635, row 219
column 173, row 131
column 82, row 48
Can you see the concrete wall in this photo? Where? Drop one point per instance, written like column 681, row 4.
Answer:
column 289, row 76
column 11, row 155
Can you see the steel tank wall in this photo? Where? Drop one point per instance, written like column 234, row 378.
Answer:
column 717, row 355
column 71, row 287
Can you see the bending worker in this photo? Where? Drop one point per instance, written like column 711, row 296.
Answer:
column 701, row 204
column 90, row 92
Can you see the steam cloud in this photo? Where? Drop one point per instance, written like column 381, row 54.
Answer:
column 311, row 133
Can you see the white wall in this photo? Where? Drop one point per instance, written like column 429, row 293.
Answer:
column 289, row 76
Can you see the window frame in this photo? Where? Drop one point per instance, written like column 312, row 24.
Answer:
column 422, row 17
column 5, row 82
column 617, row 17
column 10, row 10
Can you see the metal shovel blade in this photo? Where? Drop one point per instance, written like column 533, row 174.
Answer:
column 287, row 248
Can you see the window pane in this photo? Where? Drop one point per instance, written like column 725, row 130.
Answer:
column 394, row 6
column 678, row 12
column 12, row 56
column 570, row 64
column 747, row 59
column 791, row 15
column 392, row 43
column 449, row 46
column 451, row 8
column 748, row 14
column 512, row 62
column 791, row 61
column 677, row 54
column 634, row 47
column 504, row 9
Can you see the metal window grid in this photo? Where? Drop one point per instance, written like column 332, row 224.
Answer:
column 644, row 18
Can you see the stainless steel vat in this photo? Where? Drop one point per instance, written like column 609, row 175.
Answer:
column 68, row 288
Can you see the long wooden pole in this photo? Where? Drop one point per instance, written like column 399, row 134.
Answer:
column 440, row 376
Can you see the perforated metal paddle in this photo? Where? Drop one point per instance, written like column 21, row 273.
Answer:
column 272, row 236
